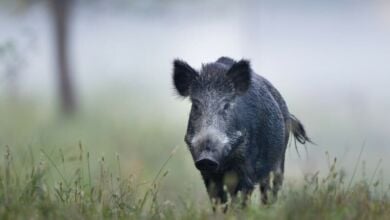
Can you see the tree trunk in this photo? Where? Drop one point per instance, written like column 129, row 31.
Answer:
column 60, row 12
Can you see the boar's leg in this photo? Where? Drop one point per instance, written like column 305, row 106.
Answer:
column 241, row 198
column 215, row 191
column 246, row 195
column 264, row 188
column 276, row 176
column 277, row 181
column 245, row 187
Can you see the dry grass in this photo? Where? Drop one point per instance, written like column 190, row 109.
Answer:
column 27, row 194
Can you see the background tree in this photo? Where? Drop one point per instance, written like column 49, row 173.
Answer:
column 60, row 11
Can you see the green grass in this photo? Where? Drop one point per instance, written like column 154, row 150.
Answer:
column 113, row 162
column 28, row 194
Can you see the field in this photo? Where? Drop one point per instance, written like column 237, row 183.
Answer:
column 121, row 154
column 103, row 165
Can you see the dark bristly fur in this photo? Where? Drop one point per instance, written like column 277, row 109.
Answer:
column 238, row 128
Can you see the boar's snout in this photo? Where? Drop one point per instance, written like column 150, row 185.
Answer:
column 208, row 146
column 206, row 163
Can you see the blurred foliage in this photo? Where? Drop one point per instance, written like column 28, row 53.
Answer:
column 11, row 59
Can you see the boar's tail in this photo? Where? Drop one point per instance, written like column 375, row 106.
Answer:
column 299, row 132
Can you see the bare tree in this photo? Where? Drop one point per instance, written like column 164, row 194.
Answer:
column 60, row 12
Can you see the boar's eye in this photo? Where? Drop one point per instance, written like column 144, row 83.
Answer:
column 196, row 108
column 226, row 106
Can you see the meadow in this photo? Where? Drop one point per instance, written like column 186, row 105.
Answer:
column 122, row 155
column 117, row 161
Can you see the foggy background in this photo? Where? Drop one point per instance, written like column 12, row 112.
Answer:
column 329, row 59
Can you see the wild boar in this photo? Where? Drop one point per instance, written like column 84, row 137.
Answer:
column 238, row 129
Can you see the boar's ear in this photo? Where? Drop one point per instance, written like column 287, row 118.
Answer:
column 240, row 75
column 183, row 76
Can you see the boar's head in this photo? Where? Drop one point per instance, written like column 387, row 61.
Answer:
column 214, row 130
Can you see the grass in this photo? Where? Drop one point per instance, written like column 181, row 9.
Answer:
column 107, row 166
column 28, row 194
